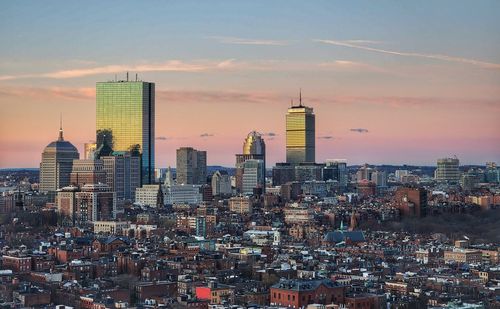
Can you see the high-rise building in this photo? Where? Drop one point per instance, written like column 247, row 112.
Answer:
column 87, row 172
column 125, row 120
column 57, row 163
column 336, row 169
column 191, row 166
column 447, row 170
column 89, row 150
column 364, row 173
column 95, row 202
column 254, row 148
column 123, row 174
column 221, row 183
column 253, row 178
column 380, row 179
column 300, row 134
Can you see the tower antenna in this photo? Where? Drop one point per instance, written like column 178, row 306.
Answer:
column 127, row 76
column 135, row 76
column 300, row 97
column 60, row 128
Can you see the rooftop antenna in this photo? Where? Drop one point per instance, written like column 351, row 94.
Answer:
column 127, row 76
column 135, row 76
column 300, row 97
column 60, row 128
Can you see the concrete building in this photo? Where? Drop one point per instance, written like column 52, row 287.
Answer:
column 241, row 204
column 448, row 170
column 253, row 177
column 221, row 183
column 191, row 166
column 182, row 194
column 123, row 174
column 150, row 195
column 95, row 202
column 87, row 172
column 110, row 227
column 411, row 201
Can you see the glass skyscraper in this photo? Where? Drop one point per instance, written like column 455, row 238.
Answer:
column 300, row 134
column 125, row 121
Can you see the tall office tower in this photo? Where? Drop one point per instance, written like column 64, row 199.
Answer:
column 253, row 178
column 254, row 148
column 221, row 183
column 95, row 202
column 56, row 165
column 300, row 134
column 87, row 172
column 380, row 179
column 89, row 150
column 364, row 173
column 191, row 166
column 123, row 174
column 125, row 120
column 447, row 170
column 336, row 169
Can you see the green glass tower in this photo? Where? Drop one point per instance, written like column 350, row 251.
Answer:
column 125, row 121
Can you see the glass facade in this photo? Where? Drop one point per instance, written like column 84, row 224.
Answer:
column 125, row 120
column 300, row 135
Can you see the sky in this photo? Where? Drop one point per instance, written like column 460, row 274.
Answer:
column 391, row 82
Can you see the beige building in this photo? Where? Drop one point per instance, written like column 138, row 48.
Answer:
column 110, row 227
column 240, row 204
column 463, row 256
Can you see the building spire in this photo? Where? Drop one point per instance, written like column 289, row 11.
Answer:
column 300, row 97
column 60, row 129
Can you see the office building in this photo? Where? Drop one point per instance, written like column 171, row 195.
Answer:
column 87, row 172
column 283, row 173
column 57, row 163
column 447, row 170
column 253, row 177
column 123, row 174
column 66, row 204
column 364, row 173
column 379, row 178
column 241, row 204
column 221, row 183
column 89, row 150
column 336, row 169
column 254, row 148
column 191, row 166
column 125, row 121
column 300, row 134
column 492, row 173
column 150, row 195
column 95, row 202
column 182, row 194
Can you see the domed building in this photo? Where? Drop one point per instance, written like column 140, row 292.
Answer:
column 57, row 163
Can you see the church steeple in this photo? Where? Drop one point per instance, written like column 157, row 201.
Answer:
column 61, row 138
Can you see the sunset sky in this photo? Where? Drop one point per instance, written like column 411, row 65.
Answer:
column 390, row 81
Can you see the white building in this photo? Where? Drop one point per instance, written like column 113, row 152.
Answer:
column 221, row 183
column 150, row 195
column 182, row 194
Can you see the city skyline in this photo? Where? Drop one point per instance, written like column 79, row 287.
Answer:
column 385, row 89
